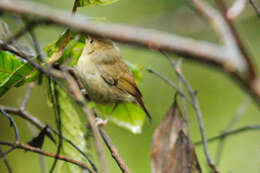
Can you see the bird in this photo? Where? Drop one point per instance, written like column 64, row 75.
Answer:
column 105, row 75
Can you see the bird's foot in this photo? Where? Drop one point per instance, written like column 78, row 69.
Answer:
column 101, row 122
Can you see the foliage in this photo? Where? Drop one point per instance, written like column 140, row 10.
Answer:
column 13, row 71
column 72, row 128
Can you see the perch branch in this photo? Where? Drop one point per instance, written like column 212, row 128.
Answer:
column 221, row 56
column 114, row 152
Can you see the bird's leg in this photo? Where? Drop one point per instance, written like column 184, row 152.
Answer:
column 101, row 122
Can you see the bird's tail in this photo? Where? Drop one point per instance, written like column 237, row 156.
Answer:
column 141, row 103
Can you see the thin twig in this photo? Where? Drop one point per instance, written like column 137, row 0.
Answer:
column 231, row 132
column 90, row 116
column 257, row 9
column 236, row 37
column 22, row 146
column 236, row 9
column 150, row 70
column 221, row 56
column 27, row 116
column 14, row 50
column 37, row 123
column 186, row 116
column 77, row 148
column 6, row 162
column 237, row 116
column 169, row 82
column 56, row 103
column 27, row 96
column 12, row 122
column 7, row 152
column 114, row 152
column 67, row 37
column 36, row 45
column 195, row 105
column 75, row 88
column 27, row 28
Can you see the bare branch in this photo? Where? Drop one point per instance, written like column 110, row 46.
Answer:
column 236, row 9
column 237, row 116
column 33, row 120
column 74, row 86
column 27, row 96
column 6, row 162
column 169, row 82
column 90, row 116
column 238, row 42
column 232, row 132
column 187, row 47
column 257, row 9
column 219, row 24
column 114, row 152
column 186, row 116
column 12, row 123
column 196, row 107
column 58, row 122
column 22, row 146
column 3, row 154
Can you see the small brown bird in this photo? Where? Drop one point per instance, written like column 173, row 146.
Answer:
column 105, row 76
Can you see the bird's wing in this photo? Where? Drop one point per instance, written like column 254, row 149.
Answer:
column 116, row 73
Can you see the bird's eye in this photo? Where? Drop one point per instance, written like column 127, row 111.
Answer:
column 91, row 41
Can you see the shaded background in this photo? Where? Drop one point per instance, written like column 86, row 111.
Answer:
column 219, row 96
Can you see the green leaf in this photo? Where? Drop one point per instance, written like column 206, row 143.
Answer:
column 136, row 70
column 73, row 48
column 12, row 71
column 83, row 3
column 72, row 127
column 34, row 76
column 127, row 115
column 53, row 48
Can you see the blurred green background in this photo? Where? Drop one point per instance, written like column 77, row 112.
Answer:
column 219, row 96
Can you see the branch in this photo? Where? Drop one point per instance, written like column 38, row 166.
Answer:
column 236, row 9
column 58, row 122
column 37, row 123
column 169, row 82
column 231, row 132
column 6, row 162
column 22, row 146
column 257, row 9
column 196, row 107
column 75, row 90
column 225, row 57
column 114, row 152
column 238, row 42
column 182, row 46
column 12, row 123
column 241, row 109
